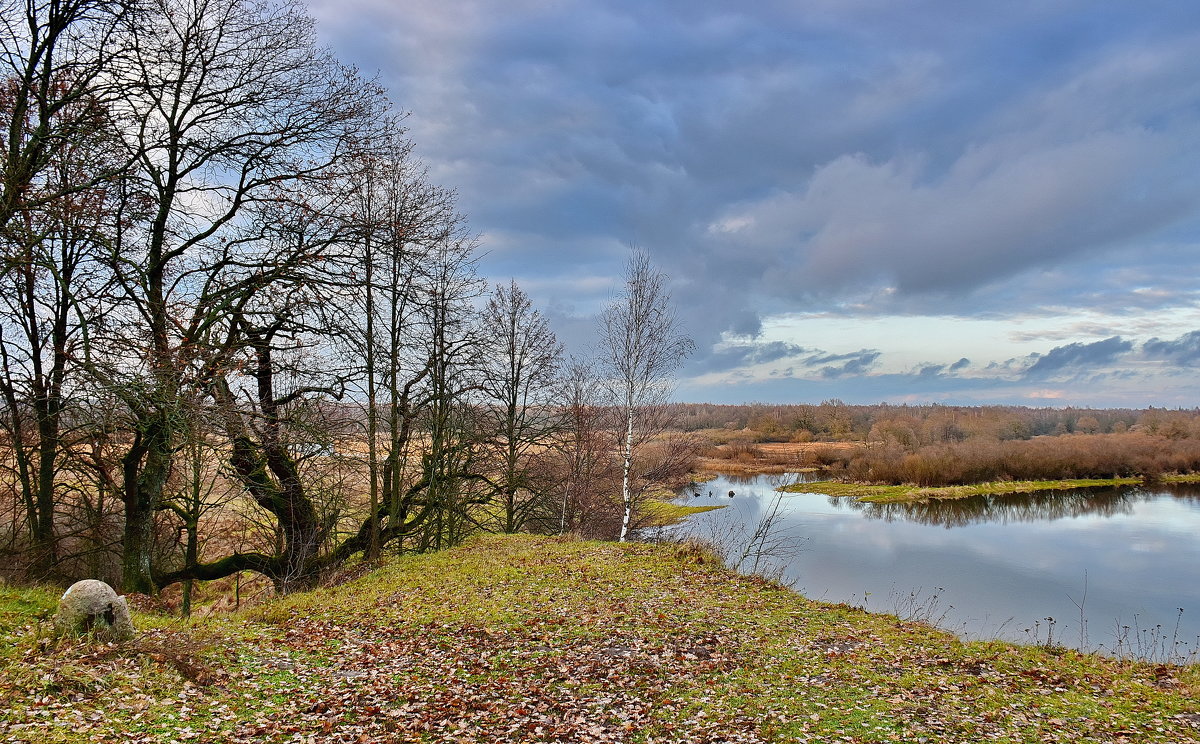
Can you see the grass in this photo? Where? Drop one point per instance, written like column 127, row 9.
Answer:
column 663, row 513
column 900, row 493
column 770, row 458
column 734, row 467
column 539, row 639
column 19, row 606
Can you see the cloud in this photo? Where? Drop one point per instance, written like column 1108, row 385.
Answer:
column 857, row 364
column 1114, row 371
column 844, row 146
column 999, row 210
column 822, row 357
column 855, row 158
column 1183, row 351
column 1078, row 357
column 733, row 355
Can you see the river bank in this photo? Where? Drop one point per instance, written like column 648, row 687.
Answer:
column 880, row 493
column 1099, row 569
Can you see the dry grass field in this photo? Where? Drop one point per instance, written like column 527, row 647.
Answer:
column 771, row 458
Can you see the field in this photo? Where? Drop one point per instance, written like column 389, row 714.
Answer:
column 885, row 471
column 542, row 639
column 770, row 458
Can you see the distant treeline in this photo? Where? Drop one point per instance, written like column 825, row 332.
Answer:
column 934, row 445
column 917, row 425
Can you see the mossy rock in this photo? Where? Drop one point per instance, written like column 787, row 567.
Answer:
column 91, row 606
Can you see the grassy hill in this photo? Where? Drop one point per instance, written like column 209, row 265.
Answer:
column 537, row 639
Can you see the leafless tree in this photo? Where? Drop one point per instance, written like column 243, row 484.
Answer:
column 51, row 285
column 585, row 472
column 396, row 223
column 54, row 57
column 229, row 103
column 520, row 367
column 196, row 489
column 451, row 464
column 641, row 347
column 200, row 210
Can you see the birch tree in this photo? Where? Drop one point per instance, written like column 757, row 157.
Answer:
column 641, row 348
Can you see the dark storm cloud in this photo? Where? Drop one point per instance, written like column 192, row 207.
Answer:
column 1078, row 357
column 1183, row 351
column 857, row 364
column 743, row 355
column 862, row 156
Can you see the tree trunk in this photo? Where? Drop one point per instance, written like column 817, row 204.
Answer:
column 191, row 557
column 372, row 406
column 48, row 444
column 146, row 467
column 626, row 468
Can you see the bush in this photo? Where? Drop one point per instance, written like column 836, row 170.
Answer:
column 742, row 452
column 980, row 460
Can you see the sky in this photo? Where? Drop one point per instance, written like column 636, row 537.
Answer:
column 922, row 202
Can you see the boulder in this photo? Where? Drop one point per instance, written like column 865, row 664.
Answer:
column 91, row 606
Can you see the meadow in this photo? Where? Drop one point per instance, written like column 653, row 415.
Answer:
column 521, row 638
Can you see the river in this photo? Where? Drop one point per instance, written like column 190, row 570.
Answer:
column 1110, row 570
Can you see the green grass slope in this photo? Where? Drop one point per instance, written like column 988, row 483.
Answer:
column 528, row 639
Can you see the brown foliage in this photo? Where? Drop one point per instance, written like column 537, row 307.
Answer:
column 1042, row 458
column 913, row 425
column 744, row 458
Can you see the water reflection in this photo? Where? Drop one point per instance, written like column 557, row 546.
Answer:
column 773, row 480
column 1187, row 492
column 1041, row 506
column 1005, row 562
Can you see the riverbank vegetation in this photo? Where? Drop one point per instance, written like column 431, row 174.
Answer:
column 936, row 447
column 1086, row 456
column 919, row 424
column 874, row 493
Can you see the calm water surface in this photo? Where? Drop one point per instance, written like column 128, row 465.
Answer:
column 1000, row 565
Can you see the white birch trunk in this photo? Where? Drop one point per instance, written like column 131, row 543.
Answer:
column 627, row 466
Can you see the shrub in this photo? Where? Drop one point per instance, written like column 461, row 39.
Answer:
column 979, row 459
